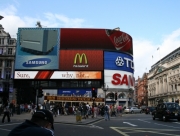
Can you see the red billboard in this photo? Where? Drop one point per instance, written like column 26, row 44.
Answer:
column 80, row 38
column 81, row 60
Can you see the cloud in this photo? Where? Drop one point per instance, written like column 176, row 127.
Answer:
column 146, row 53
column 12, row 21
column 143, row 48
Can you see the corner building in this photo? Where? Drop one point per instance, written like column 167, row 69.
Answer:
column 68, row 62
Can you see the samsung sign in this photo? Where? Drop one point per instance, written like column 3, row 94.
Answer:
column 118, row 61
column 37, row 62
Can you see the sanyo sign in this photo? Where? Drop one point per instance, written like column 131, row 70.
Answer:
column 119, row 79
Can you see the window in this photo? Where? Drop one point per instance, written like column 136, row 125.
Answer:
column 1, row 50
column 1, row 61
column 8, row 63
column 8, row 74
column 176, row 87
column 9, row 51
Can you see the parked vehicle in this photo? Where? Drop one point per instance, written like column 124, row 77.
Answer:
column 149, row 110
column 166, row 111
column 132, row 110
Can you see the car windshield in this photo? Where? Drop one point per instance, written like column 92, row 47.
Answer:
column 173, row 106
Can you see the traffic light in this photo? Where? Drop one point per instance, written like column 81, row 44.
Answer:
column 115, row 96
column 94, row 93
column 40, row 92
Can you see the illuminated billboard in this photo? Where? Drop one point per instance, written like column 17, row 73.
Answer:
column 58, row 75
column 81, row 60
column 37, row 48
column 118, row 61
column 111, row 39
column 119, row 79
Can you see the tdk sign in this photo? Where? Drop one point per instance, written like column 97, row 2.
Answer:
column 36, row 62
column 118, row 61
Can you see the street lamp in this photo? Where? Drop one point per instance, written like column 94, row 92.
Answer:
column 105, row 88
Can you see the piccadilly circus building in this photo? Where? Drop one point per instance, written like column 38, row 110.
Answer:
column 69, row 63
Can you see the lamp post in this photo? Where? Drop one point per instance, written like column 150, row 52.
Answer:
column 105, row 88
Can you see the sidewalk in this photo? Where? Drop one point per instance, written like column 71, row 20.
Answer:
column 66, row 119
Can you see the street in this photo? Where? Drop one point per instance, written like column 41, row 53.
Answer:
column 127, row 125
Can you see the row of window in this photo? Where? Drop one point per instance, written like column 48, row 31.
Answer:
column 7, row 74
column 8, row 63
column 11, row 42
column 9, row 51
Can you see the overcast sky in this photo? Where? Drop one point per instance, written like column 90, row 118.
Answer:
column 152, row 24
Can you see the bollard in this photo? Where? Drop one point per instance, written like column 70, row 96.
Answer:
column 78, row 116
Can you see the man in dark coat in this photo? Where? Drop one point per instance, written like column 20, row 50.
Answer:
column 41, row 124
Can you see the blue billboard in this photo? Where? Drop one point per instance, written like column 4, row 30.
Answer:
column 118, row 61
column 37, row 48
column 74, row 92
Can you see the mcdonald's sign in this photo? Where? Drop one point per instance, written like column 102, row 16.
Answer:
column 70, row 60
column 83, row 55
column 82, row 59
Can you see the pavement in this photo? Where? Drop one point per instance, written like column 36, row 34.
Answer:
column 66, row 119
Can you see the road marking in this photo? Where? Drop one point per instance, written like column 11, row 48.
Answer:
column 5, row 129
column 166, row 125
column 96, row 126
column 130, row 130
column 79, row 125
column 177, row 122
column 129, row 124
column 144, row 121
column 9, row 124
column 120, row 132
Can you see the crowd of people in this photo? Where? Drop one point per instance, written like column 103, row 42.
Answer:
column 87, row 110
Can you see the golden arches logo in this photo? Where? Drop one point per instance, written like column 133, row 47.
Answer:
column 83, row 55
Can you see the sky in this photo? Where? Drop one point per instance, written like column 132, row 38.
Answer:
column 152, row 24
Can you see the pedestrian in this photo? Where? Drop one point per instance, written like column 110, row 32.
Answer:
column 113, row 110
column 47, row 105
column 41, row 124
column 106, row 113
column 95, row 110
column 6, row 112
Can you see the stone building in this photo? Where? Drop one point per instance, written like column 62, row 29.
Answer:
column 142, row 92
column 7, row 56
column 164, row 79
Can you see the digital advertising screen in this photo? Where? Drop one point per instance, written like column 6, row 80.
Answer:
column 37, row 48
column 118, row 61
column 84, row 38
column 58, row 75
column 119, row 79
column 81, row 60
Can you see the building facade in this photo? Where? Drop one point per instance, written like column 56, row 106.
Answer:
column 142, row 90
column 164, row 79
column 68, row 62
column 7, row 58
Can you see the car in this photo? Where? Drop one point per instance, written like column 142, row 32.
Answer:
column 132, row 110
column 166, row 111
column 149, row 110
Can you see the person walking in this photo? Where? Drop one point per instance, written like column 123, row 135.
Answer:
column 6, row 112
column 41, row 124
column 95, row 111
column 106, row 113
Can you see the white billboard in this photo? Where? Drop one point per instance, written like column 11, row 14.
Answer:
column 119, row 79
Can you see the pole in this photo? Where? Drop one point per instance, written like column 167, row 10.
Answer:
column 105, row 98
